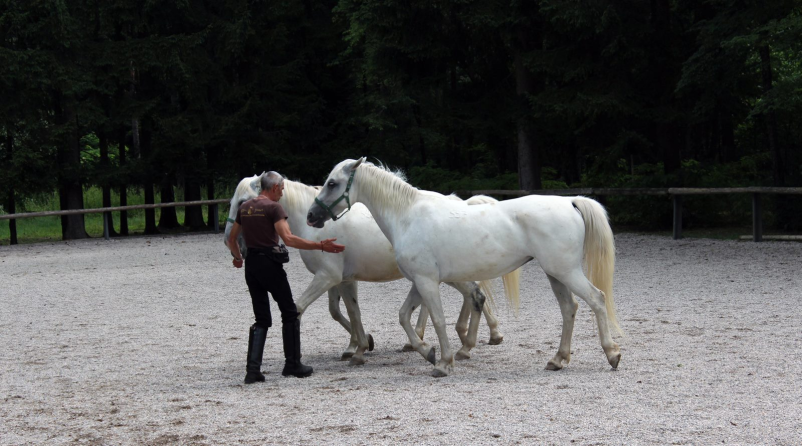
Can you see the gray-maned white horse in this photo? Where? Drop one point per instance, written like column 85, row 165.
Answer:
column 438, row 240
column 368, row 257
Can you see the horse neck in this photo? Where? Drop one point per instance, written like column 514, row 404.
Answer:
column 387, row 197
column 297, row 199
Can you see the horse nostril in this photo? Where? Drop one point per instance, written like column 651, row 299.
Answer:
column 309, row 215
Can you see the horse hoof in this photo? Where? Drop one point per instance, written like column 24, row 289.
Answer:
column 614, row 361
column 346, row 356
column 461, row 355
column 437, row 373
column 553, row 366
column 356, row 360
column 432, row 356
column 407, row 348
column 497, row 340
column 370, row 343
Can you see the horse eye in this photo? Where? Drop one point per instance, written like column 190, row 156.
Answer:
column 332, row 184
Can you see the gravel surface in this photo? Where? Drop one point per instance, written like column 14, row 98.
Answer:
column 143, row 341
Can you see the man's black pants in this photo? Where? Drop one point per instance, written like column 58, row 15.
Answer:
column 263, row 276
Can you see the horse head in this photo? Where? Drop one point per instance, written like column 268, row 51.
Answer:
column 336, row 196
column 248, row 188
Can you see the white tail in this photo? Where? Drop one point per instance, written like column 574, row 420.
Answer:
column 512, row 289
column 599, row 252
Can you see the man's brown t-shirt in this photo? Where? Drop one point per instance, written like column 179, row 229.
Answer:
column 257, row 217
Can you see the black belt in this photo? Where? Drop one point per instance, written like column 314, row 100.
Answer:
column 260, row 251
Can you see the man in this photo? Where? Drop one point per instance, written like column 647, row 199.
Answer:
column 262, row 221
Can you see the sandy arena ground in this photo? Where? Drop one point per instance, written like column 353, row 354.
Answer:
column 143, row 341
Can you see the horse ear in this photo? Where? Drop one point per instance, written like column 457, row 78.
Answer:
column 356, row 163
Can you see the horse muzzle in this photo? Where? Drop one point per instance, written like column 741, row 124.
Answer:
column 315, row 220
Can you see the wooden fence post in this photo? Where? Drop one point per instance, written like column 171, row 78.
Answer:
column 677, row 216
column 216, row 218
column 757, row 218
column 106, row 225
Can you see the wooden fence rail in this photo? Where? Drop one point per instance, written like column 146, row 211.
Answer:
column 676, row 194
column 107, row 211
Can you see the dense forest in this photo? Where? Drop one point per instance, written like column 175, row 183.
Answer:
column 160, row 96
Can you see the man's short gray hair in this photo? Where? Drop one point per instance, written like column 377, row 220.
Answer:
column 271, row 179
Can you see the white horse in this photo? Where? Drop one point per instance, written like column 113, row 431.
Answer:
column 368, row 257
column 438, row 240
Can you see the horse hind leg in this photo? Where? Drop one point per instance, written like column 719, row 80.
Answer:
column 581, row 286
column 568, row 307
column 496, row 337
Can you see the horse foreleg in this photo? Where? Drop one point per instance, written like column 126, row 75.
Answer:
column 429, row 291
column 405, row 319
column 496, row 337
column 320, row 283
column 336, row 314
column 348, row 291
column 423, row 318
column 568, row 307
column 467, row 332
column 581, row 286
column 462, row 321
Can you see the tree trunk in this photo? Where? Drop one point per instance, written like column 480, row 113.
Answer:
column 666, row 134
column 421, row 142
column 142, row 145
column 169, row 217
column 664, row 69
column 12, row 203
column 211, row 155
column 777, row 168
column 193, row 215
column 529, row 167
column 123, row 183
column 210, row 196
column 71, row 195
column 106, row 187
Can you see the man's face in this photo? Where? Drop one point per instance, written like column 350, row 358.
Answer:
column 277, row 191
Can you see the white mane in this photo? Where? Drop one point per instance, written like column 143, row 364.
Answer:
column 244, row 191
column 386, row 188
column 298, row 194
column 295, row 193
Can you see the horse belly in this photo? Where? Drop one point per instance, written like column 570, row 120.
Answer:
column 371, row 262
column 469, row 250
column 375, row 272
column 480, row 268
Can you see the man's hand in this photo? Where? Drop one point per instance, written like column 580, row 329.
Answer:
column 328, row 245
column 237, row 263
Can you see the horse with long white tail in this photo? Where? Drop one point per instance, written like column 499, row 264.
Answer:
column 437, row 240
column 369, row 257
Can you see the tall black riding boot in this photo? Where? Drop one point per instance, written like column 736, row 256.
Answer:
column 256, row 347
column 291, row 332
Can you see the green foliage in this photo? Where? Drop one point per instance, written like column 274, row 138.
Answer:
column 430, row 177
column 619, row 93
